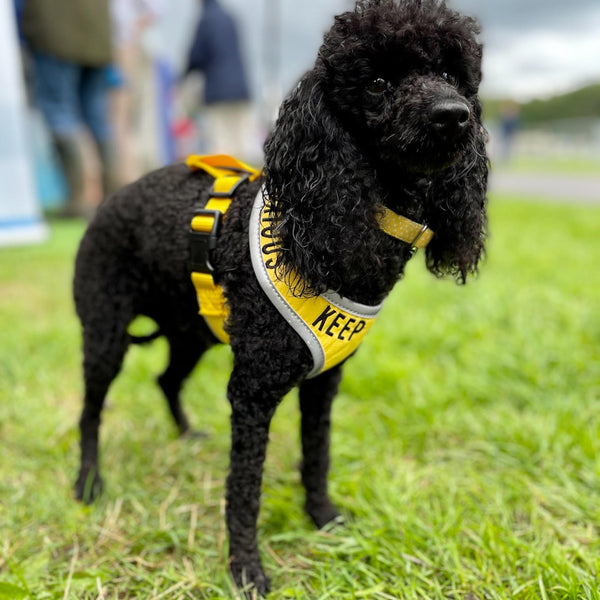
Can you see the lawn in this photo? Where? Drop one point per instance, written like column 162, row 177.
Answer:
column 554, row 165
column 465, row 451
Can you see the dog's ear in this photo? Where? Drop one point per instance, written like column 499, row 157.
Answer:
column 457, row 213
column 308, row 151
column 311, row 165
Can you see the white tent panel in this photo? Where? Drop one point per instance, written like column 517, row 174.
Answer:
column 20, row 214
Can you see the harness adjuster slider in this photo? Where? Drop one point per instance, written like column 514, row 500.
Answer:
column 202, row 243
column 243, row 177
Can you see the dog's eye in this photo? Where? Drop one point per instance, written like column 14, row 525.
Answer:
column 377, row 86
column 451, row 79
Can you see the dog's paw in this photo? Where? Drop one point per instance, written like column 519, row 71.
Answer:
column 88, row 486
column 324, row 513
column 249, row 577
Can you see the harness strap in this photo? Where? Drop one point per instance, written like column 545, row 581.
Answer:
column 415, row 234
column 229, row 175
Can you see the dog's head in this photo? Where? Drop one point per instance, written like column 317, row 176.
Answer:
column 403, row 78
column 390, row 111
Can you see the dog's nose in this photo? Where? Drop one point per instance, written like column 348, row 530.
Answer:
column 450, row 115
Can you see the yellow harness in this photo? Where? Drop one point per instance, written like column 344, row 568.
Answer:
column 229, row 174
column 331, row 326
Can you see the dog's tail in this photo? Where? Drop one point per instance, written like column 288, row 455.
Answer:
column 145, row 339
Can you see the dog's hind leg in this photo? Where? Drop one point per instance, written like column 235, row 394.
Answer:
column 185, row 352
column 104, row 347
column 316, row 397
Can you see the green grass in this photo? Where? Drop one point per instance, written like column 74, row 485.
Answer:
column 465, row 451
column 557, row 165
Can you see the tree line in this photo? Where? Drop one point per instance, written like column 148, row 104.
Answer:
column 581, row 103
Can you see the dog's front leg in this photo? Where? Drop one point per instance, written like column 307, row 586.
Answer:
column 252, row 410
column 316, row 397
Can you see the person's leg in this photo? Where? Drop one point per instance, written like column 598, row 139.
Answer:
column 229, row 129
column 93, row 96
column 122, row 105
column 55, row 88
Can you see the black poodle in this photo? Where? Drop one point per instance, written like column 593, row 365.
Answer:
column 387, row 121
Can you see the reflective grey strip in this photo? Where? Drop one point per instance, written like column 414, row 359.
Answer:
column 299, row 326
column 280, row 303
column 355, row 308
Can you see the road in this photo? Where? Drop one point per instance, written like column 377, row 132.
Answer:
column 578, row 189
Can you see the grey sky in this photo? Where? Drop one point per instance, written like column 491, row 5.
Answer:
column 527, row 15
column 538, row 47
column 533, row 48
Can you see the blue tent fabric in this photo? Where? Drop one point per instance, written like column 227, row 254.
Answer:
column 215, row 52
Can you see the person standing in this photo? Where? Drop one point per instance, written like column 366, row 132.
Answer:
column 132, row 95
column 215, row 52
column 70, row 43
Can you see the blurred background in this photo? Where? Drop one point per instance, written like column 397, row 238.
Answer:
column 166, row 93
column 466, row 446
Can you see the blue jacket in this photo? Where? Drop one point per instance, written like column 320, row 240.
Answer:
column 215, row 52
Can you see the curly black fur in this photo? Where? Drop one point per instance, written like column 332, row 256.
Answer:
column 389, row 115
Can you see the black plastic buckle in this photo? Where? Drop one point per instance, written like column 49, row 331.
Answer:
column 203, row 243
